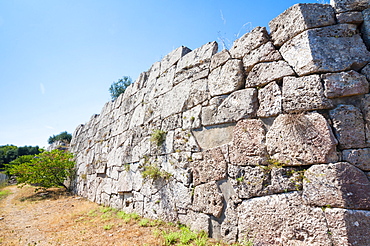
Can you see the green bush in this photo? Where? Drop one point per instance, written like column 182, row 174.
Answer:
column 48, row 169
column 119, row 87
column 158, row 137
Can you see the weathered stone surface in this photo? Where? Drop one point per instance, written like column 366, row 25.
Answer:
column 164, row 83
column 365, row 28
column 213, row 136
column 365, row 106
column 270, row 100
column 238, row 105
column 337, row 185
column 348, row 227
column 191, row 118
column 264, row 53
column 196, row 221
column 227, row 78
column 344, row 84
column 304, row 93
column 175, row 99
column 173, row 57
column 349, row 5
column 366, row 71
column 358, row 157
column 301, row 139
column 350, row 133
column 262, row 73
column 327, row 49
column 350, row 18
column 248, row 144
column 213, row 167
column 208, row 199
column 220, row 58
column 282, row 220
column 257, row 181
column 185, row 141
column 299, row 18
column 249, row 42
column 197, row 56
column 199, row 71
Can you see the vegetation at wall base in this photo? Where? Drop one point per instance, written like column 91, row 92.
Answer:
column 48, row 169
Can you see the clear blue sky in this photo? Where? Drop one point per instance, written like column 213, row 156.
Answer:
column 59, row 57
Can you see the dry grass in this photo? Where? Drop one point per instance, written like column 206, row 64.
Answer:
column 57, row 218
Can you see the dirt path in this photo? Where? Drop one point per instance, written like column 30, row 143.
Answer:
column 27, row 218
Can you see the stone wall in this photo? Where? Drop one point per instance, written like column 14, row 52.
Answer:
column 268, row 141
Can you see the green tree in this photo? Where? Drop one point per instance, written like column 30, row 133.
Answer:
column 63, row 136
column 119, row 87
column 48, row 169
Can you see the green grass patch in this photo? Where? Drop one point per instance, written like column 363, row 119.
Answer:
column 4, row 193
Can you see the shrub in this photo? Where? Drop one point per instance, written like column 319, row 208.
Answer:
column 158, row 137
column 119, row 87
column 48, row 169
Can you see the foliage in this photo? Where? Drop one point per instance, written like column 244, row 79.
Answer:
column 184, row 237
column 158, row 137
column 119, row 87
column 63, row 136
column 152, row 171
column 9, row 153
column 48, row 169
column 4, row 193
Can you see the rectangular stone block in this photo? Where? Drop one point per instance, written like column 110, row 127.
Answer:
column 348, row 227
column 238, row 105
column 227, row 78
column 327, row 49
column 299, row 18
column 350, row 18
column 349, row 5
column 358, row 157
column 173, row 57
column 270, row 100
column 263, row 73
column 345, row 84
column 282, row 220
column 249, row 42
column 304, row 93
column 264, row 53
column 349, row 126
column 339, row 185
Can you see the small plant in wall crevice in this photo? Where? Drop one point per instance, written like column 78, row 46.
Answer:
column 158, row 137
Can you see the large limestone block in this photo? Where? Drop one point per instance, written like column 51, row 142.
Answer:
column 301, row 139
column 299, row 18
column 164, row 83
column 191, row 118
column 304, row 93
column 197, row 56
column 213, row 167
column 264, row 53
column 358, row 157
column 219, row 59
column 213, row 136
column 345, row 84
column 350, row 17
column 256, row 181
column 238, row 105
column 282, row 220
column 348, row 227
column 338, row 185
column 196, row 72
column 263, row 73
column 208, row 199
column 195, row 220
column 173, row 102
column 349, row 127
column 185, row 141
column 248, row 144
column 173, row 57
column 249, row 42
column 349, row 5
column 365, row 29
column 270, row 100
column 227, row 78
column 327, row 49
